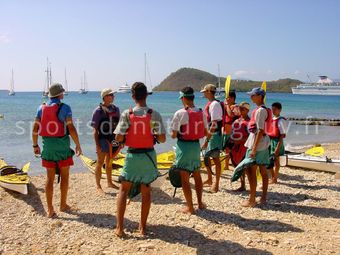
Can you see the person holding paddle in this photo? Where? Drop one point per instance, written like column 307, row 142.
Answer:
column 139, row 128
column 214, row 113
column 104, row 121
column 188, row 126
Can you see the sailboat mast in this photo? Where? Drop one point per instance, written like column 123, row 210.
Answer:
column 85, row 81
column 12, row 81
column 145, row 68
column 66, row 85
column 219, row 78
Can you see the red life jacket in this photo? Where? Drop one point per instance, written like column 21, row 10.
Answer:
column 268, row 123
column 240, row 129
column 194, row 130
column 50, row 125
column 275, row 132
column 220, row 123
column 139, row 134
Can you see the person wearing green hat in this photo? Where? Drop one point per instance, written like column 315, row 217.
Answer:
column 54, row 124
column 188, row 126
column 104, row 121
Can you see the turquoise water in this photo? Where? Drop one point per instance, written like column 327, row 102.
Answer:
column 19, row 112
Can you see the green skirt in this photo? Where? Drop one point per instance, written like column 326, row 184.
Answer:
column 262, row 157
column 215, row 142
column 188, row 156
column 273, row 144
column 140, row 168
column 56, row 148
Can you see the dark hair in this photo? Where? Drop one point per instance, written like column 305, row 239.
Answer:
column 277, row 105
column 188, row 90
column 139, row 90
column 232, row 93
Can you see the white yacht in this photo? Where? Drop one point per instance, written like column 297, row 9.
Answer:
column 11, row 89
column 83, row 85
column 324, row 86
column 124, row 89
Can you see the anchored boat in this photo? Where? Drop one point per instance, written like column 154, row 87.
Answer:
column 324, row 86
column 13, row 178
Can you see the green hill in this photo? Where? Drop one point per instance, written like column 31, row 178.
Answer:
column 198, row 78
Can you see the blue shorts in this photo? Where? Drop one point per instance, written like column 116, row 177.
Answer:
column 104, row 145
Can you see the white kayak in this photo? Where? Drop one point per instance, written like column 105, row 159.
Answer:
column 311, row 162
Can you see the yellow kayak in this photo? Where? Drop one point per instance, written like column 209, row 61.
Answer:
column 14, row 179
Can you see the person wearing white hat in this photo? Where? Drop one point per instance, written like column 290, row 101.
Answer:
column 104, row 121
column 54, row 124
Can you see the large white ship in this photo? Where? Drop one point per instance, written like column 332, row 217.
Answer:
column 124, row 89
column 324, row 86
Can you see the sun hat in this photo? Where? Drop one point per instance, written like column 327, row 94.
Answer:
column 106, row 92
column 245, row 105
column 56, row 90
column 257, row 91
column 209, row 87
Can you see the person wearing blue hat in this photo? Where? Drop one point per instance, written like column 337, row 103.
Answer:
column 257, row 144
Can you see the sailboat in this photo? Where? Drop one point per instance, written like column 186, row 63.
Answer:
column 220, row 92
column 147, row 73
column 11, row 90
column 48, row 80
column 83, row 85
column 66, row 85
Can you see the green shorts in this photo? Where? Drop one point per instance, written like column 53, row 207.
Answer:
column 56, row 148
column 140, row 168
column 215, row 142
column 273, row 144
column 262, row 157
column 188, row 155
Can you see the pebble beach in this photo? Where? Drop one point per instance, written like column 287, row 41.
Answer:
column 302, row 216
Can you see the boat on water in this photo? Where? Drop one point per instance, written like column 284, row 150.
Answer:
column 66, row 85
column 48, row 80
column 14, row 179
column 124, row 89
column 324, row 86
column 83, row 85
column 11, row 89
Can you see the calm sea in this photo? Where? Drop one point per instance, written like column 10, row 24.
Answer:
column 19, row 111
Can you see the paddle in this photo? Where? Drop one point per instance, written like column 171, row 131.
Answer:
column 26, row 167
column 227, row 86
column 316, row 151
column 264, row 87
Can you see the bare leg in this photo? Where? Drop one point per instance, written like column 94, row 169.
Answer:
column 108, row 168
column 199, row 189
column 264, row 175
column 121, row 206
column 226, row 161
column 272, row 174
column 146, row 203
column 64, row 184
column 187, row 192
column 251, row 173
column 99, row 165
column 277, row 169
column 243, row 184
column 208, row 182
column 215, row 187
column 49, row 191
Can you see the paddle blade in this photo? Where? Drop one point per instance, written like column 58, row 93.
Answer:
column 316, row 151
column 227, row 86
column 26, row 167
column 264, row 87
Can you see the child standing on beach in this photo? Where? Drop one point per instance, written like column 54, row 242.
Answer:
column 277, row 135
column 257, row 144
column 188, row 126
column 104, row 121
column 139, row 127
column 214, row 113
column 54, row 124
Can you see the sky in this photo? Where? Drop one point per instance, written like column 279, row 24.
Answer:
column 259, row 40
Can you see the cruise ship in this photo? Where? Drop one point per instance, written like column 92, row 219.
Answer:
column 324, row 86
column 124, row 89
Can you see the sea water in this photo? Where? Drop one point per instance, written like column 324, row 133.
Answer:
column 19, row 112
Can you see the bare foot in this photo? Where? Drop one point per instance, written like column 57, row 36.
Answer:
column 202, row 206
column 247, row 203
column 100, row 191
column 111, row 185
column 65, row 208
column 262, row 201
column 51, row 214
column 187, row 210
column 272, row 181
column 226, row 168
column 119, row 233
column 240, row 189
column 207, row 183
column 142, row 231
column 214, row 189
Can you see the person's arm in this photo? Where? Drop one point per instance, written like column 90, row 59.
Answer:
column 35, row 130
column 278, row 146
column 96, row 139
column 74, row 135
column 161, row 138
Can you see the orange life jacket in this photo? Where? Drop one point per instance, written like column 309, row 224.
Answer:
column 220, row 123
column 275, row 132
column 50, row 125
column 139, row 134
column 194, row 130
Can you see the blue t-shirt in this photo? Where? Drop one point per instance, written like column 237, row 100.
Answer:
column 64, row 113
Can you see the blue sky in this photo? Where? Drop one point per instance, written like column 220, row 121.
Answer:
column 261, row 40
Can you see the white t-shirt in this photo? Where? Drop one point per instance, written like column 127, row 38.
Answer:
column 215, row 111
column 282, row 125
column 181, row 117
column 260, row 120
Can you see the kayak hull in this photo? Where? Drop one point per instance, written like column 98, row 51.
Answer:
column 20, row 188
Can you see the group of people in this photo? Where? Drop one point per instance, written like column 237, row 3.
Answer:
column 222, row 126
